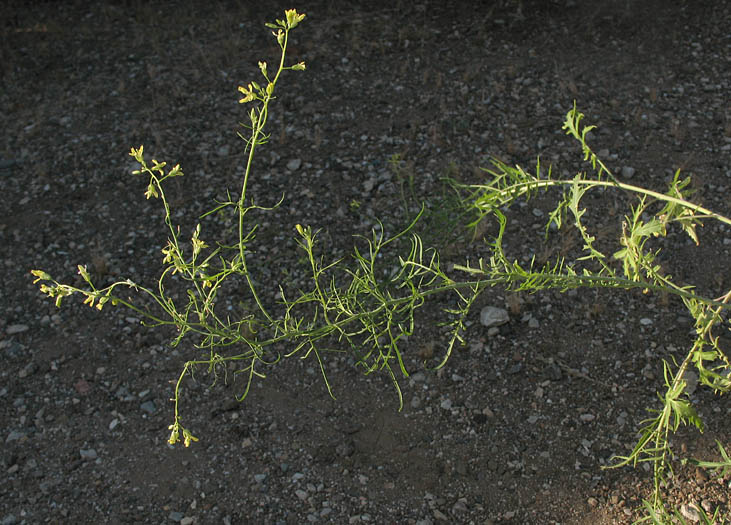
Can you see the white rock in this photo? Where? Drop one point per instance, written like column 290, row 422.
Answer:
column 491, row 316
column 628, row 172
column 690, row 512
column 294, row 164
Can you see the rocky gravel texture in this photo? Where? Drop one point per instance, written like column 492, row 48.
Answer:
column 397, row 95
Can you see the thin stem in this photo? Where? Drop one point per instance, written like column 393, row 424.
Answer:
column 523, row 187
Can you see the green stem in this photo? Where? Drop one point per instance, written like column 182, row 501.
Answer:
column 523, row 187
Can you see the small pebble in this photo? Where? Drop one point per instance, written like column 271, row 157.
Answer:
column 88, row 454
column 16, row 329
column 438, row 514
column 10, row 519
column 690, row 512
column 459, row 507
column 700, row 476
column 14, row 436
column 628, row 172
column 491, row 316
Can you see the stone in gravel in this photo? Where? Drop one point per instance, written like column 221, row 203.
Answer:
column 149, row 407
column 10, row 519
column 13, row 349
column 491, row 316
column 15, row 435
column 587, row 417
column 446, row 404
column 16, row 329
column 553, row 372
column 294, row 164
column 418, row 376
column 176, row 516
column 301, row 494
column 259, row 478
column 186, row 521
column 369, row 184
column 88, row 454
column 628, row 172
column 82, row 386
column 700, row 476
column 28, row 370
column 345, row 449
column 690, row 512
column 459, row 507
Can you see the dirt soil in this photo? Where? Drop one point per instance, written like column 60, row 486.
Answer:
column 518, row 425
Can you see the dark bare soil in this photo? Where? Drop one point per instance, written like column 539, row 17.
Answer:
column 518, row 425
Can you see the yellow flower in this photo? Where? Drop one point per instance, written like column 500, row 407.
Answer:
column 293, row 18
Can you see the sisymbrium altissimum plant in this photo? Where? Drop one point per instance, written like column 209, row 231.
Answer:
column 365, row 304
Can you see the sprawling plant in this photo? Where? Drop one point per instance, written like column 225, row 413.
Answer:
column 365, row 304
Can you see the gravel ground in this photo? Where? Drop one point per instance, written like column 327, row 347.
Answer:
column 516, row 427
